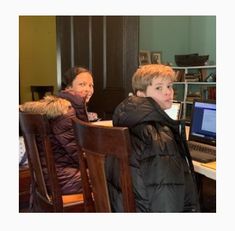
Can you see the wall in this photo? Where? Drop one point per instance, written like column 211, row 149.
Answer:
column 179, row 35
column 169, row 34
column 37, row 55
column 203, row 36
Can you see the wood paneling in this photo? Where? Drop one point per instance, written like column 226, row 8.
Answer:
column 108, row 46
column 81, row 40
column 63, row 38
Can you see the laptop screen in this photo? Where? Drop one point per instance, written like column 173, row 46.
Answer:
column 203, row 122
column 175, row 111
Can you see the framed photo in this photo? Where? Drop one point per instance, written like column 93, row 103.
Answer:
column 144, row 58
column 156, row 57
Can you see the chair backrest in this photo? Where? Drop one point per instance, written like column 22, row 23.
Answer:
column 35, row 129
column 97, row 142
column 41, row 91
column 49, row 198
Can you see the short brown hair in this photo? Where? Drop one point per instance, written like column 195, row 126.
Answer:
column 71, row 74
column 145, row 74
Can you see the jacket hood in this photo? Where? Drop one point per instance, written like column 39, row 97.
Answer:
column 77, row 102
column 51, row 106
column 134, row 110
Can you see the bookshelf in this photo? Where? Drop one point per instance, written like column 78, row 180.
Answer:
column 191, row 83
column 200, row 71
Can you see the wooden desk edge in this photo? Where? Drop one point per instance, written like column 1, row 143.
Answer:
column 208, row 172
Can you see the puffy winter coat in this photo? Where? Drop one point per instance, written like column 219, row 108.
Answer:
column 60, row 111
column 161, row 167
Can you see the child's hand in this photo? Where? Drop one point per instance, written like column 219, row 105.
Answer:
column 92, row 116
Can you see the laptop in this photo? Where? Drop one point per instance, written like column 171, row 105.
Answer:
column 202, row 134
column 175, row 111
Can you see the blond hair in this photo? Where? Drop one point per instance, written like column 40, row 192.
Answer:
column 145, row 74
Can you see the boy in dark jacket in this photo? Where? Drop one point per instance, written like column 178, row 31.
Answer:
column 162, row 170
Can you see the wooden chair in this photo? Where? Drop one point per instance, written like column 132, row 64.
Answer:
column 41, row 91
column 97, row 142
column 35, row 129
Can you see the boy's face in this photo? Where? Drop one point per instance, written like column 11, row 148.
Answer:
column 161, row 90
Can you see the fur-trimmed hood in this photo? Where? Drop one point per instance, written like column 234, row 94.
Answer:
column 52, row 106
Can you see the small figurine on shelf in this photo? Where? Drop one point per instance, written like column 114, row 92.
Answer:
column 211, row 78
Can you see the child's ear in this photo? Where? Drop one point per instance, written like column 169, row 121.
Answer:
column 140, row 94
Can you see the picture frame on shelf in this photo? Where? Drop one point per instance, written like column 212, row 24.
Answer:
column 156, row 57
column 144, row 57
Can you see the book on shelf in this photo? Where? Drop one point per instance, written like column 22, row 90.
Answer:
column 209, row 93
column 212, row 93
column 196, row 77
column 191, row 98
column 192, row 80
column 175, row 94
column 193, row 95
column 179, row 74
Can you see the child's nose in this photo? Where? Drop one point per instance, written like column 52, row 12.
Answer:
column 167, row 91
column 87, row 88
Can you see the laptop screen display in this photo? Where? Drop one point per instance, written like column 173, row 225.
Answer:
column 203, row 122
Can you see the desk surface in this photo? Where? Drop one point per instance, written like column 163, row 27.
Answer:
column 205, row 169
column 108, row 123
column 208, row 169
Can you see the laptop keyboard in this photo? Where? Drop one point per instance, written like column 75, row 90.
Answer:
column 201, row 148
column 202, row 153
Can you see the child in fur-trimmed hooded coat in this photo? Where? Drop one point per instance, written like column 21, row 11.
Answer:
column 60, row 110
